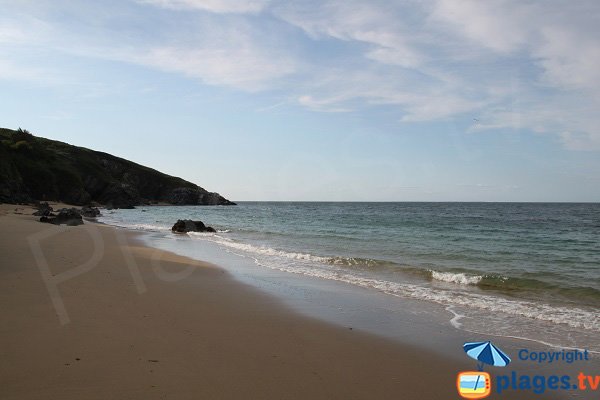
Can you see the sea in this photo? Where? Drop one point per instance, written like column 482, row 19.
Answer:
column 520, row 270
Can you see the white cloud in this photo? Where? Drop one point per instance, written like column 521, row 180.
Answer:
column 512, row 64
column 520, row 65
column 323, row 104
column 498, row 25
column 559, row 44
column 216, row 6
column 12, row 34
column 344, row 91
column 11, row 71
column 563, row 40
column 229, row 53
column 570, row 58
column 246, row 68
column 350, row 20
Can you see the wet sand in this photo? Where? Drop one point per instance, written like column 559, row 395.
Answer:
column 140, row 323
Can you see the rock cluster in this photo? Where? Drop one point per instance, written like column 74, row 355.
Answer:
column 44, row 210
column 187, row 225
column 65, row 216
column 90, row 212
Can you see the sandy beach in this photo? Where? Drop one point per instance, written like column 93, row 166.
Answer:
column 261, row 199
column 139, row 323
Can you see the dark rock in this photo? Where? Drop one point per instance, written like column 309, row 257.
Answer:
column 65, row 216
column 187, row 225
column 69, row 216
column 44, row 209
column 90, row 212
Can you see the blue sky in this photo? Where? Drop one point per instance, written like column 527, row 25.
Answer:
column 431, row 100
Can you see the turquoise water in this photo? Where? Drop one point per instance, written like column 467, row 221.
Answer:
column 497, row 265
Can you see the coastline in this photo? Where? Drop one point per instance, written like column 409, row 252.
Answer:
column 203, row 336
column 184, row 329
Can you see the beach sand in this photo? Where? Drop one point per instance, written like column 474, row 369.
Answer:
column 181, row 329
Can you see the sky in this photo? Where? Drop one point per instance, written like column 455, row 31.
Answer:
column 329, row 100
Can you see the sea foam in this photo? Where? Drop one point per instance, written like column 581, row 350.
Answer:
column 321, row 267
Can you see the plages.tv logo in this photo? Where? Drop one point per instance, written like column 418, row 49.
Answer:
column 478, row 384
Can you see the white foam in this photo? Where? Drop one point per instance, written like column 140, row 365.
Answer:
column 135, row 226
column 201, row 234
column 332, row 269
column 320, row 267
column 458, row 278
column 268, row 251
column 455, row 321
column 574, row 317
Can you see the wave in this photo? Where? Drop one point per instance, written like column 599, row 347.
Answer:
column 574, row 317
column 458, row 278
column 137, row 227
column 482, row 294
column 352, row 270
column 462, row 277
column 268, row 251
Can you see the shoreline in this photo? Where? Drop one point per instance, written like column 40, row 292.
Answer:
column 200, row 336
column 477, row 309
column 188, row 330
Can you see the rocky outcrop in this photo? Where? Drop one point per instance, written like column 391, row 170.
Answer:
column 193, row 196
column 183, row 196
column 64, row 216
column 187, row 225
column 214, row 199
column 90, row 212
column 44, row 210
column 33, row 168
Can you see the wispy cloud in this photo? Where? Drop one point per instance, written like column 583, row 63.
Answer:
column 242, row 66
column 10, row 71
column 510, row 64
column 216, row 6
column 560, row 48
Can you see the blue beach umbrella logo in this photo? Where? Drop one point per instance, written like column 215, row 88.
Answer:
column 486, row 353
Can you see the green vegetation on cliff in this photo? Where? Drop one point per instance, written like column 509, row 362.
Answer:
column 35, row 168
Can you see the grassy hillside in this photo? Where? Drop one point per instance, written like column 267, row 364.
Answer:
column 35, row 168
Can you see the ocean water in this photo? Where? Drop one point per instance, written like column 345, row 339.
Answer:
column 529, row 270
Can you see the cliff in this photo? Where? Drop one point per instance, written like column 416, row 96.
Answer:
column 34, row 168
